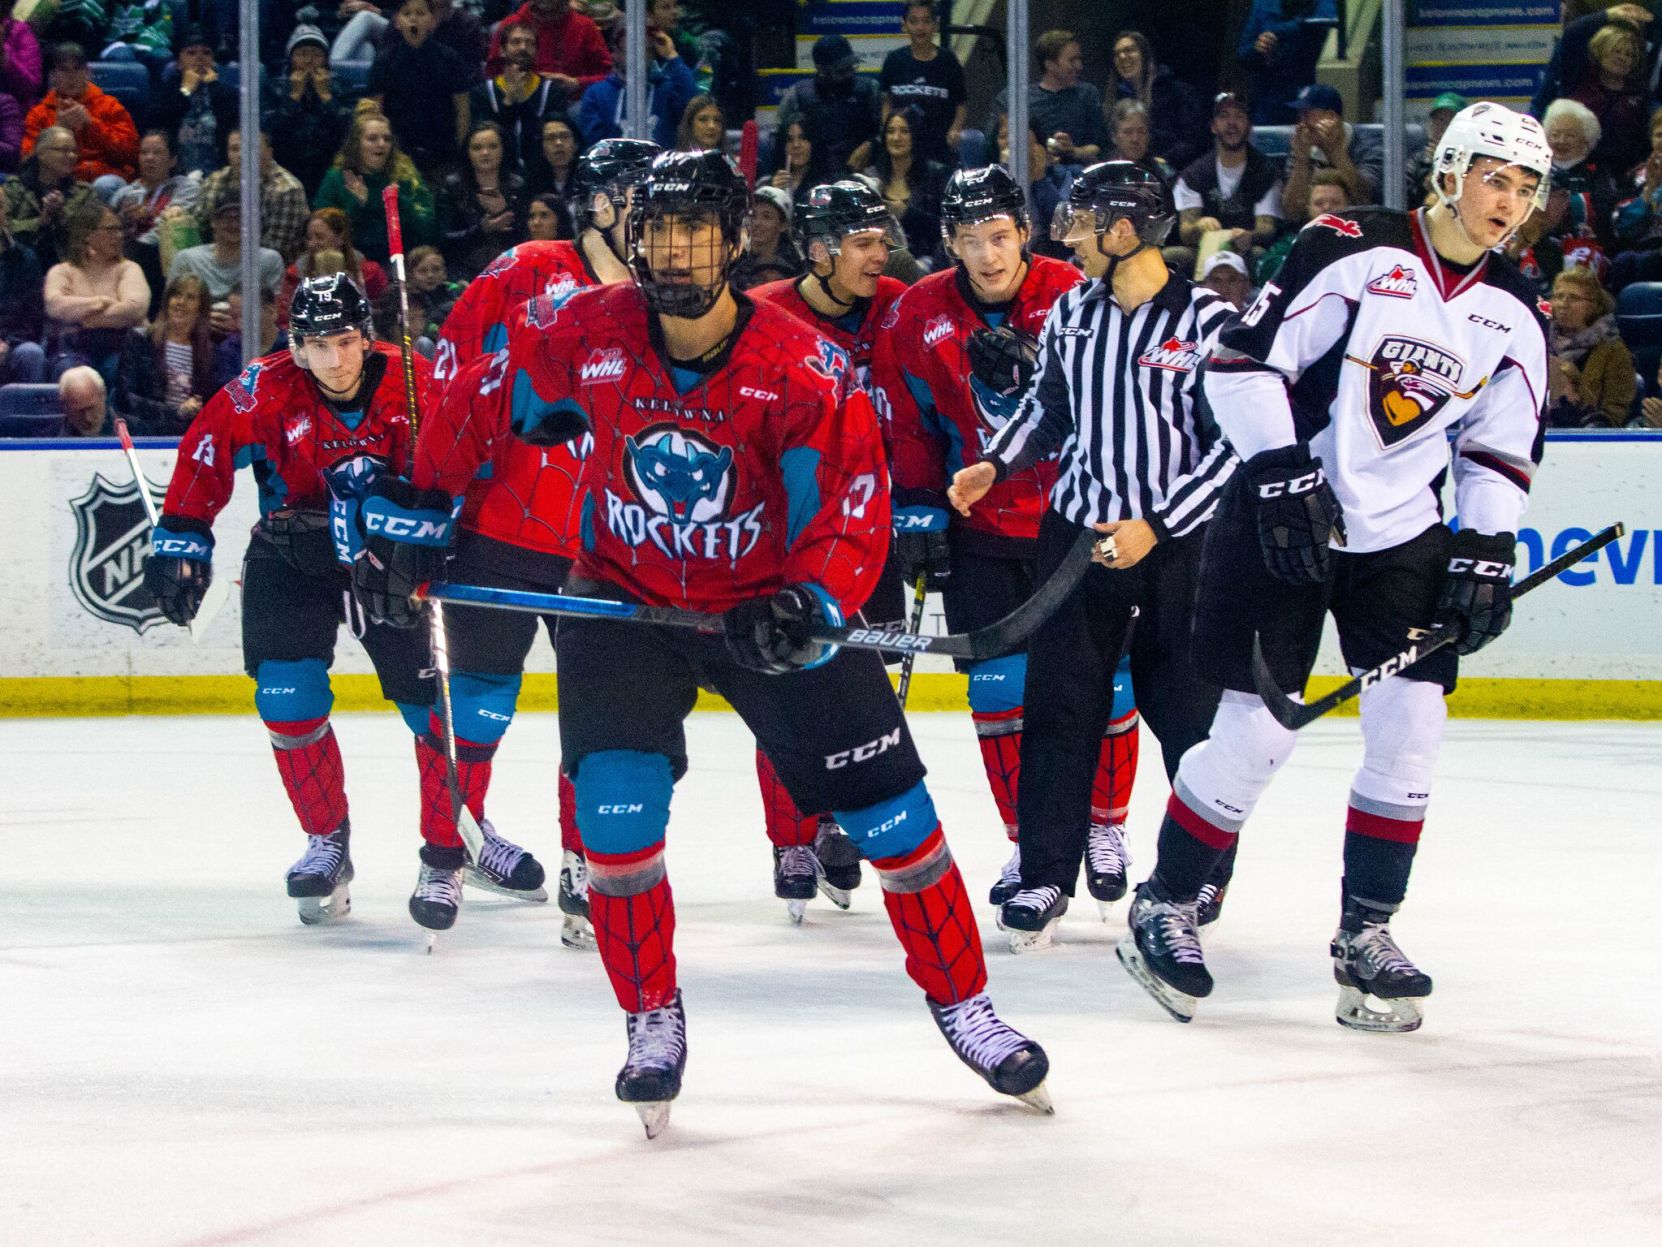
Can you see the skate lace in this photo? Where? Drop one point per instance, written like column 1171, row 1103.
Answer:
column 1011, row 874
column 1036, row 899
column 438, row 884
column 576, row 871
column 1105, row 850
column 498, row 857
column 322, row 856
column 1374, row 947
column 977, row 1034
column 1174, row 927
column 656, row 1039
column 1208, row 893
column 798, row 859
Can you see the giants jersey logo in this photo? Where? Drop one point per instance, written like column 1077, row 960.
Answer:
column 1399, row 283
column 1172, row 355
column 684, row 484
column 1409, row 382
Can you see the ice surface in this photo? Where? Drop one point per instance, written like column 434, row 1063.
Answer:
column 182, row 1063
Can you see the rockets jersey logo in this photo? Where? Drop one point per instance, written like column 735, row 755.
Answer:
column 1172, row 355
column 1338, row 224
column 1409, row 383
column 832, row 363
column 1399, row 283
column 684, row 484
column 241, row 391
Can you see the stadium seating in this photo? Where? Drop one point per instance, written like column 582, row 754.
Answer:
column 30, row 411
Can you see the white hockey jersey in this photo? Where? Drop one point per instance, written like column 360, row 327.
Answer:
column 1372, row 348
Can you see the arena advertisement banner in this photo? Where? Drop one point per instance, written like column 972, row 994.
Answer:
column 1484, row 49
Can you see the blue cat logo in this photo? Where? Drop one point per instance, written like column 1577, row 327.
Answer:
column 680, row 475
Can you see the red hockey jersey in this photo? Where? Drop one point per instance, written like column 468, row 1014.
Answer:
column 705, row 489
column 858, row 340
column 936, row 422
column 273, row 419
column 478, row 324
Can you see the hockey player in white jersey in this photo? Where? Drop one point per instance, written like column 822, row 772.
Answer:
column 1386, row 336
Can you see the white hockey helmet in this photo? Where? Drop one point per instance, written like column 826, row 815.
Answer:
column 1489, row 129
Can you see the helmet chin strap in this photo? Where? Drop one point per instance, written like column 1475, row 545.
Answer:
column 1114, row 261
column 824, row 280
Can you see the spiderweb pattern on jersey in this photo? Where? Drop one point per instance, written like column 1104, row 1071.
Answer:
column 786, row 825
column 999, row 734
column 309, row 762
column 473, row 777
column 1116, row 770
column 636, row 938
column 936, row 927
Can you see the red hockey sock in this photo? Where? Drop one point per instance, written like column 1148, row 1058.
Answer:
column 633, row 915
column 932, row 915
column 1116, row 771
column 569, row 839
column 473, row 777
column 786, row 825
column 308, row 759
column 1000, row 735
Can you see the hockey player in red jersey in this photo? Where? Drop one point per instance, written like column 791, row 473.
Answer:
column 951, row 361
column 518, row 521
column 736, row 469
column 318, row 424
column 848, row 232
column 1386, row 340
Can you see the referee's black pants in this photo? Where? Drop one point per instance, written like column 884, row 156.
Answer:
column 1070, row 689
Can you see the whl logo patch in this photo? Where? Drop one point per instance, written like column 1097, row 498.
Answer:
column 608, row 364
column 1173, row 355
column 112, row 541
column 936, row 330
column 1399, row 283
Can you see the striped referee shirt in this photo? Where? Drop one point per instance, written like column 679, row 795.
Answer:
column 1118, row 393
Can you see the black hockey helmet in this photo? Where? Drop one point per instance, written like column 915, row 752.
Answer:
column 692, row 185
column 975, row 195
column 329, row 304
column 1110, row 190
column 611, row 167
column 834, row 210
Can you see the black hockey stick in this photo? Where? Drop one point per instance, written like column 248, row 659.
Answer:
column 1293, row 714
column 989, row 642
column 905, row 685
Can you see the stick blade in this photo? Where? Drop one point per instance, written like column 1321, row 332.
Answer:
column 1287, row 712
column 213, row 601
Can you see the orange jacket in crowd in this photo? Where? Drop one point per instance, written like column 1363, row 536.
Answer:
column 109, row 140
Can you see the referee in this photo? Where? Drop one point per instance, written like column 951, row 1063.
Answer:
column 1141, row 462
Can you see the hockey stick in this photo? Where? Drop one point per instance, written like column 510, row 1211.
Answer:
column 989, row 642
column 467, row 827
column 218, row 589
column 1293, row 714
column 905, row 684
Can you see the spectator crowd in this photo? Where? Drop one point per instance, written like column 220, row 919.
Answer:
column 121, row 218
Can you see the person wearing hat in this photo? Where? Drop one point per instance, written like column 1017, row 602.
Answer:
column 1322, row 139
column 103, row 130
column 1234, row 187
column 772, row 254
column 1441, row 113
column 1281, row 41
column 219, row 263
column 199, row 110
column 304, row 113
column 839, row 110
column 1225, row 273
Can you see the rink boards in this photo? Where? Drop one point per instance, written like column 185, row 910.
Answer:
column 82, row 637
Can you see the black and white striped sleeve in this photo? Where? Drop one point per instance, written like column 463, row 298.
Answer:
column 1044, row 417
column 1192, row 496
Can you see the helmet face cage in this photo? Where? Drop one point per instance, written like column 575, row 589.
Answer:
column 1486, row 129
column 687, row 196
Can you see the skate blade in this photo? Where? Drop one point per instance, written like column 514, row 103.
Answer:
column 576, row 933
column 322, row 911
column 842, row 898
column 1033, row 941
column 1105, row 910
column 432, row 942
column 1038, row 1099
column 654, row 1116
column 474, row 879
column 1398, row 1017
column 797, row 911
column 1174, row 1002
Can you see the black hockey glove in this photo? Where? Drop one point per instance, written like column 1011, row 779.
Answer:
column 771, row 634
column 1477, row 591
column 1297, row 513
column 405, row 532
column 180, row 567
column 1003, row 359
column 920, row 545
column 301, row 538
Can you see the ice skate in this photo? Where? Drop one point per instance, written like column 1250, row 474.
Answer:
column 1009, row 879
column 651, row 1075
column 318, row 880
column 505, row 868
column 437, row 897
column 1162, row 952
column 1030, row 916
column 796, row 874
column 1106, row 860
column 1011, row 1063
column 575, row 931
column 1209, row 904
column 1368, row 964
column 839, row 863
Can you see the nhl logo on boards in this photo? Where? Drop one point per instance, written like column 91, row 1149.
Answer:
column 1173, row 355
column 603, row 364
column 1399, row 283
column 112, row 541
column 1338, row 224
column 937, row 330
column 1409, row 383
